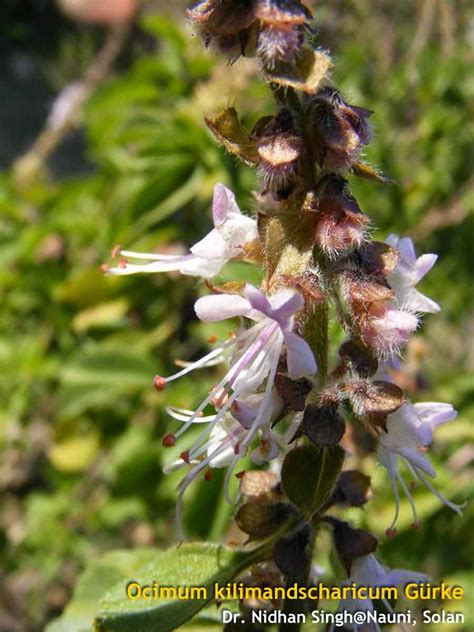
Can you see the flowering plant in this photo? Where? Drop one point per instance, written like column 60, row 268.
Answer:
column 286, row 398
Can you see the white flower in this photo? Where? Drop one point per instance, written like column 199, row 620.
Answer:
column 367, row 571
column 409, row 271
column 246, row 390
column 409, row 430
column 232, row 232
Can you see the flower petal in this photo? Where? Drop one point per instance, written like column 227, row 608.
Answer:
column 435, row 413
column 300, row 358
column 223, row 204
column 285, row 304
column 221, row 306
column 418, row 460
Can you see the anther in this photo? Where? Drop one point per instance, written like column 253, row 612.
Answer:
column 159, row 383
column 168, row 440
column 115, row 251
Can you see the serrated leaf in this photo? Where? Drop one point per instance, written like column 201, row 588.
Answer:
column 193, row 564
column 309, row 475
column 100, row 576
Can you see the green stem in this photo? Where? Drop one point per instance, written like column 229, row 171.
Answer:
column 316, row 334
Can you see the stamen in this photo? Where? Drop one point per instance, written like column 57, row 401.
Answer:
column 409, row 496
column 116, row 251
column 234, row 395
column 145, row 256
column 457, row 508
column 159, row 383
column 263, row 408
column 391, row 531
column 169, row 440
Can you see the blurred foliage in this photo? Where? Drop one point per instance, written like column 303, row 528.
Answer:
column 80, row 426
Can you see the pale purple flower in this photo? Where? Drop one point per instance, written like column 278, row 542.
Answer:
column 367, row 571
column 391, row 331
column 254, row 356
column 232, row 232
column 409, row 430
column 409, row 271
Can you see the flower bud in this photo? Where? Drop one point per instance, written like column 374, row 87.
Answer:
column 352, row 489
column 279, row 146
column 378, row 258
column 340, row 224
column 387, row 329
column 292, row 392
column 357, row 359
column 352, row 543
column 340, row 130
column 226, row 23
column 223, row 17
column 261, row 517
column 282, row 29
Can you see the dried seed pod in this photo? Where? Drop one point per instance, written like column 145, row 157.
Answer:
column 322, row 422
column 309, row 284
column 290, row 553
column 223, row 17
column 374, row 398
column 358, row 359
column 282, row 12
column 360, row 290
column 279, row 42
column 340, row 130
column 352, row 489
column 262, row 517
column 351, row 543
column 282, row 29
column 378, row 258
column 293, row 392
column 340, row 224
column 279, row 146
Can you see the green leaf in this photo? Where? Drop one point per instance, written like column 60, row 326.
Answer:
column 193, row 565
column 100, row 576
column 309, row 474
